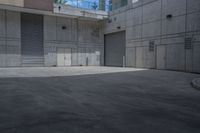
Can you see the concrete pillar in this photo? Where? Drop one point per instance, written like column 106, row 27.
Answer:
column 102, row 5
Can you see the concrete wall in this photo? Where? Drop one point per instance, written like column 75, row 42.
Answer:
column 85, row 38
column 146, row 21
column 10, row 39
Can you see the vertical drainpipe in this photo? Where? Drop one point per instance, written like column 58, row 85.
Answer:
column 102, row 5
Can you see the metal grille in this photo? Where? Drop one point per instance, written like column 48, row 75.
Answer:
column 32, row 39
column 151, row 46
column 115, row 44
column 188, row 43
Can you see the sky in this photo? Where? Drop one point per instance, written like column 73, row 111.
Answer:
column 83, row 3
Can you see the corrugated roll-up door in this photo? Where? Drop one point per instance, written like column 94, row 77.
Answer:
column 115, row 45
column 32, row 40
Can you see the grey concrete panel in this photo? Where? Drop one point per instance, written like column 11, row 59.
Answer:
column 173, row 25
column 134, row 16
column 145, row 58
column 175, row 57
column 63, row 29
column 81, row 56
column 98, row 54
column 130, row 57
column 50, row 55
column 173, row 40
column 2, row 24
column 193, row 22
column 175, row 7
column 193, row 6
column 2, row 53
column 74, row 57
column 188, row 60
column 134, row 43
column 139, row 57
column 88, row 57
column 74, row 31
column 129, row 17
column 161, row 57
column 13, row 20
column 134, row 32
column 149, row 58
column 13, row 53
column 196, row 57
column 93, row 57
column 89, row 32
column 49, row 28
column 152, row 12
column 102, row 56
column 151, row 29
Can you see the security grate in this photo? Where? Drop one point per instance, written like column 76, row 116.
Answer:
column 188, row 43
column 151, row 46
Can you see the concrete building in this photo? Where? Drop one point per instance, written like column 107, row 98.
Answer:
column 157, row 34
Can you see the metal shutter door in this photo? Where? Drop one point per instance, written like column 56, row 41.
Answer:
column 32, row 39
column 115, row 49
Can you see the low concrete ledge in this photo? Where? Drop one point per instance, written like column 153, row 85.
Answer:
column 196, row 83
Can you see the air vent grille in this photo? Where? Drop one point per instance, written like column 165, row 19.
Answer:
column 188, row 43
column 151, row 46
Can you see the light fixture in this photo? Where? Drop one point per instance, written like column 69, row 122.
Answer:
column 64, row 27
column 169, row 16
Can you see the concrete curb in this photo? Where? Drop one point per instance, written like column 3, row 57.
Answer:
column 196, row 83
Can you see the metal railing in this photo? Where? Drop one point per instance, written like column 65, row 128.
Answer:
column 93, row 4
column 87, row 4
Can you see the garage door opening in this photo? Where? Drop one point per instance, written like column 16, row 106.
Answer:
column 32, row 40
column 115, row 44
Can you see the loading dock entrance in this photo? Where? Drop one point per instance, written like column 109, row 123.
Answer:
column 64, row 57
column 115, row 44
column 32, row 40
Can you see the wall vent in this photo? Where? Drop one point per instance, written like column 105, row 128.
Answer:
column 64, row 27
column 188, row 43
column 169, row 16
column 151, row 46
column 118, row 27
